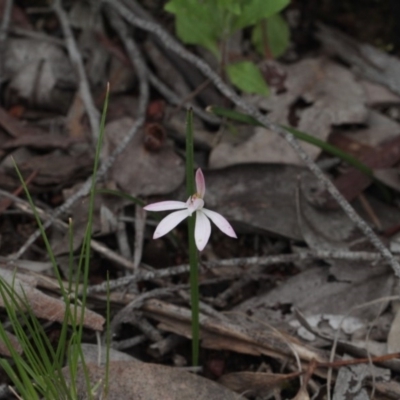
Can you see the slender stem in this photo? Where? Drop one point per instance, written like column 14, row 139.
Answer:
column 194, row 292
column 190, row 186
column 193, row 261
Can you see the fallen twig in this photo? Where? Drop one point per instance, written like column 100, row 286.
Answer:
column 84, row 88
column 240, row 262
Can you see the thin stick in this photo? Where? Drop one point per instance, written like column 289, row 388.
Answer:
column 176, row 47
column 140, row 225
column 176, row 100
column 241, row 262
column 76, row 59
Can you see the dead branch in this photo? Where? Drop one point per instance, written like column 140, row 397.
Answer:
column 241, row 262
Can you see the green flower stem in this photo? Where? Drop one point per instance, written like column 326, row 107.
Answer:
column 193, row 255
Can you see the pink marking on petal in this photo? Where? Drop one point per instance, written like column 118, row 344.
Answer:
column 170, row 222
column 165, row 206
column 202, row 230
column 200, row 183
column 221, row 222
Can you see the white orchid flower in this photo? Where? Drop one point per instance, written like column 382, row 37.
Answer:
column 195, row 203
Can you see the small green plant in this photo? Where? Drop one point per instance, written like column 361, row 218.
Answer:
column 37, row 372
column 210, row 23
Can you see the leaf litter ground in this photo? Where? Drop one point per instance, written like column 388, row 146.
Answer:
column 274, row 302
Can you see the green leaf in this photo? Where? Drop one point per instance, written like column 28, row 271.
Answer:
column 247, row 77
column 233, row 6
column 277, row 34
column 196, row 22
column 256, row 10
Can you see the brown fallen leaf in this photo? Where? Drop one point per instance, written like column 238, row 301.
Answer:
column 370, row 62
column 56, row 168
column 302, row 394
column 42, row 305
column 4, row 351
column 136, row 380
column 353, row 181
column 18, row 16
column 327, row 94
column 317, row 291
column 138, row 170
column 14, row 127
column 40, row 74
column 264, row 197
column 40, row 141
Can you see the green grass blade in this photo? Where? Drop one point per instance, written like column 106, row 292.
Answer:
column 108, row 336
column 190, row 185
column 88, row 237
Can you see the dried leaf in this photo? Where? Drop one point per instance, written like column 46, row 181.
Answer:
column 264, row 197
column 302, row 394
column 44, row 306
column 378, row 95
column 138, row 171
column 318, row 290
column 331, row 95
column 40, row 73
column 56, row 168
column 136, row 380
column 4, row 351
column 91, row 354
column 378, row 129
column 350, row 382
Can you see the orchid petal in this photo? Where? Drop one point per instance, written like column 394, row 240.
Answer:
column 221, row 222
column 170, row 222
column 202, row 230
column 165, row 205
column 200, row 183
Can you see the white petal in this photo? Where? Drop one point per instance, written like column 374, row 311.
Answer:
column 202, row 230
column 165, row 206
column 221, row 222
column 200, row 183
column 170, row 222
column 194, row 204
